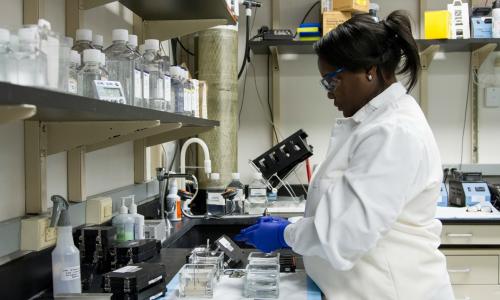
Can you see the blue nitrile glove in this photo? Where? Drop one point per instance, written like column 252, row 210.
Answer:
column 267, row 235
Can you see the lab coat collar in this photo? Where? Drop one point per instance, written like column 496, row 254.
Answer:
column 389, row 95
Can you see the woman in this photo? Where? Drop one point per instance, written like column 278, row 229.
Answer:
column 369, row 230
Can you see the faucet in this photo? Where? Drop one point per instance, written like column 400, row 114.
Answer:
column 207, row 163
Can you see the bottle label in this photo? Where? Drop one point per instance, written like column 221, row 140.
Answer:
column 137, row 84
column 71, row 273
column 167, row 85
column 215, row 199
column 258, row 192
column 72, row 86
column 145, row 87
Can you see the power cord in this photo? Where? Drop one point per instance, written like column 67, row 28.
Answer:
column 465, row 115
column 184, row 48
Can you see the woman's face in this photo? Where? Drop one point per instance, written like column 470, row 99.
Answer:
column 353, row 89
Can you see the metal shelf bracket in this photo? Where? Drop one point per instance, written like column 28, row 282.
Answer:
column 426, row 57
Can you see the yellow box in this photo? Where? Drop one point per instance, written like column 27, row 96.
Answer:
column 332, row 19
column 437, row 24
column 351, row 5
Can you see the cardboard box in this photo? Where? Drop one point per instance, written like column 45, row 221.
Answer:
column 332, row 19
column 351, row 5
column 437, row 24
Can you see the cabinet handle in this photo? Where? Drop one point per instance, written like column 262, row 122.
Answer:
column 452, row 235
column 467, row 270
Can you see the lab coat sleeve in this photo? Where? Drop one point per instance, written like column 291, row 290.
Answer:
column 364, row 203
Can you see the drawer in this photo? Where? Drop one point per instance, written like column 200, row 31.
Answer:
column 470, row 235
column 476, row 292
column 473, row 269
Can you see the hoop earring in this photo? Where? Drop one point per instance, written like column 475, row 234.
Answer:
column 370, row 77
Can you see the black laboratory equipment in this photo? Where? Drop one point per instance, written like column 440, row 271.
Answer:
column 137, row 251
column 281, row 160
column 468, row 189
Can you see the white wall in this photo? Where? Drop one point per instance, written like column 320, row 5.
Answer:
column 305, row 105
column 107, row 169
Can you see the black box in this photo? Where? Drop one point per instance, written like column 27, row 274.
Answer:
column 135, row 251
column 134, row 278
column 151, row 293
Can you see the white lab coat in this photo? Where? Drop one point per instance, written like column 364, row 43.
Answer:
column 369, row 230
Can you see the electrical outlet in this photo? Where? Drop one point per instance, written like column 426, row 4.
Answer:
column 36, row 233
column 492, row 97
column 99, row 210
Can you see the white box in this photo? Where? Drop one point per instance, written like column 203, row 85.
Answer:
column 36, row 233
column 492, row 97
column 99, row 210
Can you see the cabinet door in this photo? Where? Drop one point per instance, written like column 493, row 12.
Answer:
column 473, row 269
column 470, row 235
column 476, row 292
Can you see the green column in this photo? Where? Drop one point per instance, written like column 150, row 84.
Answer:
column 218, row 66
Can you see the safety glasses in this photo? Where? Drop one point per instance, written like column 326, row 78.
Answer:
column 329, row 82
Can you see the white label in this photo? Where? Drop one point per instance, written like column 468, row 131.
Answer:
column 187, row 100
column 145, row 86
column 128, row 269
column 226, row 244
column 137, row 84
column 154, row 280
column 258, row 192
column 215, row 199
column 70, row 273
column 72, row 86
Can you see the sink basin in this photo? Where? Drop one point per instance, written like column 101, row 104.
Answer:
column 198, row 234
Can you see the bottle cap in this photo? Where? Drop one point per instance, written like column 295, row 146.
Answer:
column 83, row 35
column 374, row 6
column 132, row 40
column 98, row 40
column 42, row 23
column 235, row 176
column 75, row 57
column 123, row 208
column 152, row 44
column 215, row 176
column 133, row 206
column 257, row 175
column 120, row 35
column 91, row 55
column 4, row 35
column 27, row 34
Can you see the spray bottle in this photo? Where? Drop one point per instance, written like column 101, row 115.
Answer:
column 65, row 257
column 138, row 220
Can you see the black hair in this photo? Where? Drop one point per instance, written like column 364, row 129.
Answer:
column 361, row 42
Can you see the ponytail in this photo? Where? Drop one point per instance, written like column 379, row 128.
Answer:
column 361, row 43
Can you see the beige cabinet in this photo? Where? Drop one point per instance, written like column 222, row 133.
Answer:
column 473, row 260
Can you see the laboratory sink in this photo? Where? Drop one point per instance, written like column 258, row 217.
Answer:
column 198, row 233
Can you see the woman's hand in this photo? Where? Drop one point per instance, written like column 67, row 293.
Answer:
column 267, row 235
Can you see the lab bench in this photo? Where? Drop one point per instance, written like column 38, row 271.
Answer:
column 472, row 250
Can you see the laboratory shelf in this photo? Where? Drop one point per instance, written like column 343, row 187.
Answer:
column 9, row 113
column 180, row 9
column 73, row 121
column 299, row 47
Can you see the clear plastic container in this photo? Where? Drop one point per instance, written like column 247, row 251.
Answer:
column 8, row 68
column 257, row 190
column 73, row 72
column 102, row 66
column 152, row 65
column 209, row 258
column 237, row 205
column 216, row 204
column 177, row 86
column 196, row 280
column 31, row 62
column 137, row 80
column 120, row 63
column 90, row 71
column 167, row 84
column 196, row 98
column 262, row 281
column 260, row 258
column 188, row 94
